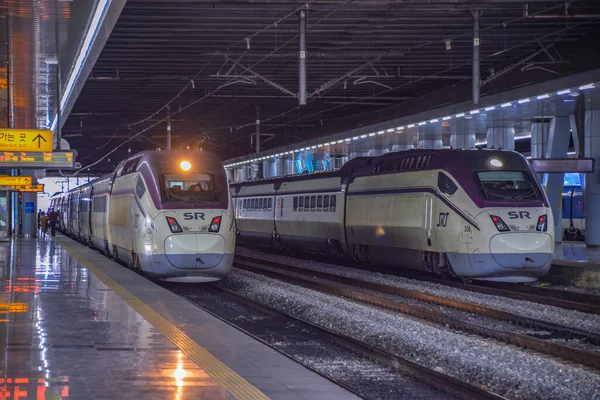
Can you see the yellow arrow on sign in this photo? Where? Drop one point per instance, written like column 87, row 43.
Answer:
column 7, row 180
column 25, row 140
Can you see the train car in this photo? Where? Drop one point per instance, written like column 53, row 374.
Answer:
column 166, row 214
column 475, row 214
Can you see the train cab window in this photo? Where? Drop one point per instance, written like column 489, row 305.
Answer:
column 446, row 185
column 319, row 203
column 507, row 185
column 306, row 203
column 332, row 203
column 313, row 203
column 325, row 203
column 295, row 204
column 140, row 188
column 270, row 204
column 189, row 188
column 301, row 203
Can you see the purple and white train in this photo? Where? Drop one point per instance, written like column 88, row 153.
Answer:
column 475, row 214
column 167, row 214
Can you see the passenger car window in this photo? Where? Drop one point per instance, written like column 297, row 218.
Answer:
column 332, row 203
column 319, row 203
column 270, row 206
column 446, row 185
column 325, row 203
column 301, row 203
column 295, row 203
column 140, row 189
column 313, row 203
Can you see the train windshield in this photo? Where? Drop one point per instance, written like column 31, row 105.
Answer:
column 507, row 185
column 189, row 188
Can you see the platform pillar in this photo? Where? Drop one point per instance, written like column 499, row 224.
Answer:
column 430, row 136
column 558, row 146
column 462, row 133
column 591, row 131
column 501, row 137
column 29, row 212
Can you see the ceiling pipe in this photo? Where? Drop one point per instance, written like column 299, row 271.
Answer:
column 476, row 66
column 302, row 60
column 566, row 15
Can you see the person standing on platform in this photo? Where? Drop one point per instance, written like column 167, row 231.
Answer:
column 44, row 223
column 52, row 218
column 40, row 212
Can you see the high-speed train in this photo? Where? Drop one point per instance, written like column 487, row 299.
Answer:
column 475, row 214
column 167, row 214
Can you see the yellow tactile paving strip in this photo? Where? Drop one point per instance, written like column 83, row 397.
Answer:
column 222, row 374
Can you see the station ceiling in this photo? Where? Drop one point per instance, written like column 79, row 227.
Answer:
column 216, row 62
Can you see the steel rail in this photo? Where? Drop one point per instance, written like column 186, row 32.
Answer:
column 421, row 373
column 291, row 274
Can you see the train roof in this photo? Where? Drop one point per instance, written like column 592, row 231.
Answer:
column 415, row 159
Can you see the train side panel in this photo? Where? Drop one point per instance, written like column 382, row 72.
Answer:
column 255, row 208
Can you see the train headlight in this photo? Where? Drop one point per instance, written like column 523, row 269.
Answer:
column 500, row 225
column 174, row 225
column 185, row 165
column 542, row 225
column 494, row 162
column 215, row 224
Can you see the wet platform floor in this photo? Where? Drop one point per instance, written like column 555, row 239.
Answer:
column 65, row 335
column 576, row 252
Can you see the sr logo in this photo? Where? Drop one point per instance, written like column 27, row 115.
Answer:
column 518, row 214
column 194, row 215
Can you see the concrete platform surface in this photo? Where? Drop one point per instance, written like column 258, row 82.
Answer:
column 75, row 325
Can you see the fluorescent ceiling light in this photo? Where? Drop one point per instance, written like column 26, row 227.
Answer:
column 389, row 130
column 561, row 92
column 355, row 138
column 490, row 108
column 524, row 101
column 474, row 112
column 399, row 128
column 411, row 125
column 422, row 123
column 543, row 96
column 363, row 136
column 372, row 134
column 506, row 105
column 446, row 118
column 460, row 115
column 320, row 145
column 588, row 86
column 433, row 120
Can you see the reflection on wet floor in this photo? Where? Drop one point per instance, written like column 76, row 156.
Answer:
column 66, row 335
column 577, row 251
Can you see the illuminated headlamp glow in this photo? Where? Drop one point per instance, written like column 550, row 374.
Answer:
column 185, row 165
column 494, row 162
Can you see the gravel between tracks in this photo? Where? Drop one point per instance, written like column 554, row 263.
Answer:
column 589, row 322
column 502, row 369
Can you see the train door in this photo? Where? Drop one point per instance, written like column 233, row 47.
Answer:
column 432, row 220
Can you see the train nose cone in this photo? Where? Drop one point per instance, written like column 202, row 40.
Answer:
column 521, row 250
column 195, row 250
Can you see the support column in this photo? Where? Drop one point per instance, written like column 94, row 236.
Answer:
column 592, row 180
column 279, row 166
column 29, row 212
column 501, row 138
column 430, row 136
column 558, row 146
column 462, row 133
column 539, row 137
column 476, row 70
column 302, row 60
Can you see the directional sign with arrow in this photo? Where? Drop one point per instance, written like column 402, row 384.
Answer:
column 7, row 180
column 25, row 140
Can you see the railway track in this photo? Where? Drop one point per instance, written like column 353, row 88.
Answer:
column 356, row 290
column 542, row 295
column 429, row 377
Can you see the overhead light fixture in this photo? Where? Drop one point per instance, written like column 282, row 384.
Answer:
column 411, row 125
column 446, row 118
column 561, row 92
column 543, row 96
column 490, row 108
column 459, row 115
column 389, row 130
column 588, row 86
column 363, row 136
column 313, row 147
column 326, row 144
column 524, row 101
column 380, row 132
column 399, row 128
column 347, row 140
column 320, row 145
column 340, row 141
column 372, row 134
column 422, row 123
column 506, row 105
column 355, row 138
column 474, row 112
column 431, row 121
